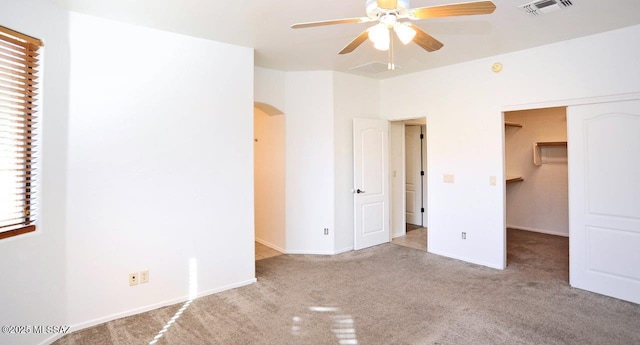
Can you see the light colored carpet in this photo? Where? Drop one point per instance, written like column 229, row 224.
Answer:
column 391, row 294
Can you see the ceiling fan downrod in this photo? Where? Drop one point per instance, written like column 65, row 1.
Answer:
column 392, row 65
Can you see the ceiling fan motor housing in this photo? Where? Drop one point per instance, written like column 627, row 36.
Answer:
column 374, row 12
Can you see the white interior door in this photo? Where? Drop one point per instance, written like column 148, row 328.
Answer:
column 604, row 198
column 371, row 182
column 413, row 169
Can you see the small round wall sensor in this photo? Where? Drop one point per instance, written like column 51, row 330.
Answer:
column 497, row 67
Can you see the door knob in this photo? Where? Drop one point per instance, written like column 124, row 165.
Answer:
column 359, row 191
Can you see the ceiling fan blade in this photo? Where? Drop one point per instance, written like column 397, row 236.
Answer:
column 331, row 22
column 388, row 4
column 426, row 41
column 355, row 43
column 463, row 9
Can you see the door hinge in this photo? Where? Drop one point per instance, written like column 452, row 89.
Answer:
column 422, row 173
column 421, row 136
column 422, row 210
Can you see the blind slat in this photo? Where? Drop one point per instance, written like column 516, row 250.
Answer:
column 16, row 103
column 17, row 50
column 24, row 164
column 6, row 72
column 15, row 85
column 31, row 117
column 24, row 69
column 20, row 210
column 24, row 95
column 19, row 54
column 24, row 92
column 10, row 43
column 23, row 160
column 15, row 119
column 21, row 62
column 19, row 139
column 10, row 147
column 17, row 223
column 21, row 185
column 9, row 111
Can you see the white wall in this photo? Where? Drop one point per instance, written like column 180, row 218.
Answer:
column 463, row 105
column 354, row 97
column 32, row 287
column 541, row 202
column 310, row 164
column 269, row 172
column 269, row 87
column 160, row 167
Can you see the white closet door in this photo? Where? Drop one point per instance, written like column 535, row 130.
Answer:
column 604, row 198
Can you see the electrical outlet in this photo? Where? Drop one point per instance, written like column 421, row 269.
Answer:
column 449, row 178
column 144, row 276
column 133, row 279
column 326, row 231
column 464, row 235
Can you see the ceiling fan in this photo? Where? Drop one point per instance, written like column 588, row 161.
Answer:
column 388, row 14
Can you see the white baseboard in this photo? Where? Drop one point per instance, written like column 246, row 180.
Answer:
column 465, row 259
column 91, row 323
column 52, row 339
column 309, row 252
column 270, row 245
column 542, row 231
column 344, row 250
column 399, row 234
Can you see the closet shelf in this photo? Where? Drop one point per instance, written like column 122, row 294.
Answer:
column 551, row 143
column 513, row 179
column 537, row 159
column 512, row 124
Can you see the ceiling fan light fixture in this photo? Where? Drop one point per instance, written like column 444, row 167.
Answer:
column 405, row 32
column 383, row 46
column 379, row 35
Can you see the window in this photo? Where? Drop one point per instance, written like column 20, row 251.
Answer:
column 18, row 103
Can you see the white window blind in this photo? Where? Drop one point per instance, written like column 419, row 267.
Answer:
column 18, row 115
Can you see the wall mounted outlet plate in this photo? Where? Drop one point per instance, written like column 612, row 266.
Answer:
column 144, row 276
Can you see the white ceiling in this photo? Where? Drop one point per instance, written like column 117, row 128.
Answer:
column 265, row 26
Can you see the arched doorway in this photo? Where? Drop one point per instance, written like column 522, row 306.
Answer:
column 269, row 180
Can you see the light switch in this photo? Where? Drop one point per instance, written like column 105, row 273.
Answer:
column 492, row 180
column 449, row 178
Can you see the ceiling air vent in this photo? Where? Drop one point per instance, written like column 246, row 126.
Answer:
column 372, row 67
column 545, row 6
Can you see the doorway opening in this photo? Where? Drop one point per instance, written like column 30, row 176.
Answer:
column 269, row 181
column 537, row 179
column 408, row 145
